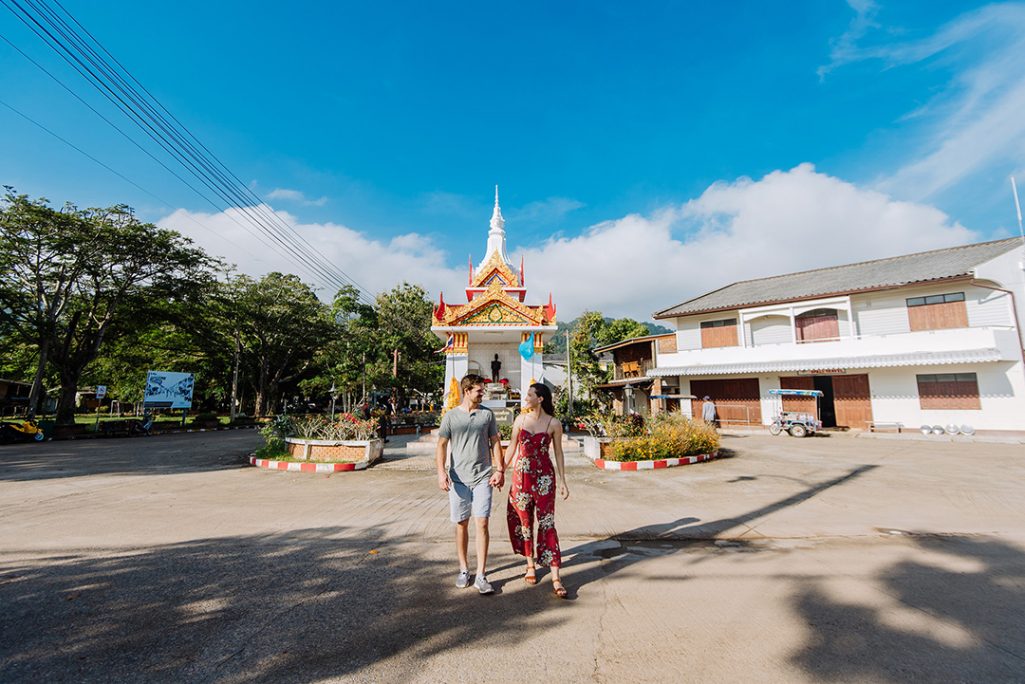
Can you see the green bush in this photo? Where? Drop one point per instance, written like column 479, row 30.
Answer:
column 205, row 417
column 505, row 431
column 666, row 436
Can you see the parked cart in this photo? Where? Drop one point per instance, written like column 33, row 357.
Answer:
column 797, row 424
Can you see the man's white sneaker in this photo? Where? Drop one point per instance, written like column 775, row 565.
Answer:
column 483, row 585
column 463, row 579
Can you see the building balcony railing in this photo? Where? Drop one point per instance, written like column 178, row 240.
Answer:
column 632, row 369
column 944, row 346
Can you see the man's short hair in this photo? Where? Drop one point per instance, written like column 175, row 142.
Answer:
column 469, row 381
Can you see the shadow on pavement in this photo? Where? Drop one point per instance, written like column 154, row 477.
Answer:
column 158, row 455
column 633, row 546
column 298, row 606
column 966, row 619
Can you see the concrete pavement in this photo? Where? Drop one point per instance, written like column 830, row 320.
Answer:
column 825, row 559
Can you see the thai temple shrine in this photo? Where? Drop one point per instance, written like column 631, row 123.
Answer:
column 494, row 334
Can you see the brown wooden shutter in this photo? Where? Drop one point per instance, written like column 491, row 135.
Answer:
column 946, row 391
column 852, row 401
column 824, row 326
column 719, row 336
column 938, row 316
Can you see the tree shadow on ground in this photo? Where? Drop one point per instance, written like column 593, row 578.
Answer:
column 621, row 551
column 293, row 607
column 956, row 615
column 157, row 455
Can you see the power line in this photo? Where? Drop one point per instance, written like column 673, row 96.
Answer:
column 168, row 133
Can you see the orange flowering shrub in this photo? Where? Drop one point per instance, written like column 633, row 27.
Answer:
column 666, row 436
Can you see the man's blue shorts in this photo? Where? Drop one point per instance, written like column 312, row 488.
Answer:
column 464, row 501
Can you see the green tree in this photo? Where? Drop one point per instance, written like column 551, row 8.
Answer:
column 74, row 280
column 282, row 327
column 406, row 342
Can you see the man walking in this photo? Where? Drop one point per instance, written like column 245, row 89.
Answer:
column 708, row 411
column 475, row 467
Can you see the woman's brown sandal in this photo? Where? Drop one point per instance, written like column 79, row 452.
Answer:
column 558, row 589
column 530, row 577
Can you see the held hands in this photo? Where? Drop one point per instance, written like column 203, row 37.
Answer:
column 497, row 479
column 443, row 481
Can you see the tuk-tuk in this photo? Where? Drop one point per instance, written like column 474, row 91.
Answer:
column 796, row 423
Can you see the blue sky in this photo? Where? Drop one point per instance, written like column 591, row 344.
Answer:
column 703, row 135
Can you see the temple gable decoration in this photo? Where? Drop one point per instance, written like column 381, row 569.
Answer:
column 495, row 320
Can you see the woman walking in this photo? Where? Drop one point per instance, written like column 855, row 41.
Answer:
column 534, row 482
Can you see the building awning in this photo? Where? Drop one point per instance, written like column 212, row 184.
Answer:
column 873, row 361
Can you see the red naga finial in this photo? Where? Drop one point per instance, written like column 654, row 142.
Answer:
column 550, row 308
column 439, row 310
column 523, row 281
column 469, row 262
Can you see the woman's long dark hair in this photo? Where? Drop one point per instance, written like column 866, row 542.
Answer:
column 542, row 391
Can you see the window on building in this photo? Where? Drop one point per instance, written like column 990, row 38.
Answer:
column 938, row 312
column 721, row 333
column 820, row 324
column 949, row 391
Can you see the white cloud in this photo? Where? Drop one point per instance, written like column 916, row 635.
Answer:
column 296, row 196
column 975, row 124
column 376, row 265
column 787, row 221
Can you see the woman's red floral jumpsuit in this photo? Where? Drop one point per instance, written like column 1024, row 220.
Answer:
column 533, row 494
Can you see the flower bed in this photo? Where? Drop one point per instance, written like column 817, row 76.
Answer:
column 313, row 440
column 664, row 438
column 334, row 451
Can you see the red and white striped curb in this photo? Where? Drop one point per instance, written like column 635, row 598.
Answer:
column 296, row 467
column 652, row 465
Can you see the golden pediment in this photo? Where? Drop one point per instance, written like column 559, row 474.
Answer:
column 495, row 307
column 493, row 270
column 496, row 314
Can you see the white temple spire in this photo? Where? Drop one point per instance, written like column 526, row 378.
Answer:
column 496, row 236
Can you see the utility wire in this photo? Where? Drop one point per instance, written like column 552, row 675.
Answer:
column 172, row 136
column 75, row 61
column 120, row 175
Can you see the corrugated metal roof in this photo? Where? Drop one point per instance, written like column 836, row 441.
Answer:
column 848, row 362
column 938, row 264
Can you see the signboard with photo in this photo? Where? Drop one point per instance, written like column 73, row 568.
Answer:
column 168, row 390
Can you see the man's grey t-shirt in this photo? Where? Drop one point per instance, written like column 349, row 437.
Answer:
column 708, row 411
column 469, row 434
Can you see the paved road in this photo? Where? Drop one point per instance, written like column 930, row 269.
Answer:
column 826, row 559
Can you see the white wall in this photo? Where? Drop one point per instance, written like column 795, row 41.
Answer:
column 482, row 354
column 768, row 330
column 688, row 335
column 1007, row 271
column 885, row 313
column 1001, row 396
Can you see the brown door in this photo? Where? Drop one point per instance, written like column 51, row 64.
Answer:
column 799, row 404
column 852, row 401
column 736, row 400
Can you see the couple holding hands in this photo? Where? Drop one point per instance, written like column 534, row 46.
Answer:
column 477, row 465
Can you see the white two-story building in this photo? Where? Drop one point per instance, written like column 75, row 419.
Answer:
column 929, row 338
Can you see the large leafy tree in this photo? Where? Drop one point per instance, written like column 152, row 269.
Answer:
column 73, row 280
column 282, row 327
column 406, row 342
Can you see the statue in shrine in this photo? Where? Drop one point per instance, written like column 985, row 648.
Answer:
column 496, row 368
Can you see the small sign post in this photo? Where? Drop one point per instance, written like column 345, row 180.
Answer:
column 101, row 392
